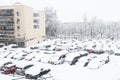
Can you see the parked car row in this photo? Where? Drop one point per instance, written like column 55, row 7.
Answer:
column 28, row 70
column 59, row 51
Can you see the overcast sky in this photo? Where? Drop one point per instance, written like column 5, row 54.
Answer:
column 74, row 10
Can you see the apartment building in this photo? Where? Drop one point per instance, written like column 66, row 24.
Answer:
column 21, row 25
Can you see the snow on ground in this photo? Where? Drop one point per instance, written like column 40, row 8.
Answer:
column 66, row 72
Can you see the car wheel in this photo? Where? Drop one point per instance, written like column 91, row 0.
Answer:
column 27, row 76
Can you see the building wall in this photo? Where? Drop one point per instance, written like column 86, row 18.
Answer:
column 24, row 33
column 39, row 33
column 24, row 26
column 42, row 25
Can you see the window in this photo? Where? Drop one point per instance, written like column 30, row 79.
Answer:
column 18, row 27
column 18, row 20
column 18, row 13
column 21, row 44
column 36, row 26
column 35, row 14
column 36, row 21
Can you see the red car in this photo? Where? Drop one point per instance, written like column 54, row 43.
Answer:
column 10, row 70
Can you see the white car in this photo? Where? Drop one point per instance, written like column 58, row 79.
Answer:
column 55, row 59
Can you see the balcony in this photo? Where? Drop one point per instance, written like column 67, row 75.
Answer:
column 7, row 36
column 6, row 13
column 7, row 27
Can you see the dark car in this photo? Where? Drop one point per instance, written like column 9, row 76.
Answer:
column 9, row 69
column 99, row 52
column 75, row 60
column 117, row 54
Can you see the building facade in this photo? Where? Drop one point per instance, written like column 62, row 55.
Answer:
column 21, row 25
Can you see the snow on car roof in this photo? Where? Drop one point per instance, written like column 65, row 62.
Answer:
column 117, row 51
column 2, row 61
column 3, row 54
column 19, row 55
column 106, row 47
column 30, row 56
column 98, row 47
column 22, row 64
column 54, row 58
column 82, row 52
column 70, row 56
column 103, row 56
column 46, row 58
column 9, row 65
column 59, row 53
column 34, row 70
column 38, row 57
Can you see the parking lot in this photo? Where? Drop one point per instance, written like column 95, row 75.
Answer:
column 60, row 59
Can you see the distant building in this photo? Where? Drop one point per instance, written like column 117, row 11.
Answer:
column 22, row 25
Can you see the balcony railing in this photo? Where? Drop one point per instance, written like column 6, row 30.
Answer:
column 2, row 17
column 7, row 37
column 6, row 14
column 7, row 31
column 7, row 24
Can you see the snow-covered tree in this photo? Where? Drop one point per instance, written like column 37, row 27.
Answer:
column 51, row 21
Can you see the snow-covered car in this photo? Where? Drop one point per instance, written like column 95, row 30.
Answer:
column 83, row 53
column 90, row 51
column 75, row 60
column 10, row 47
column 55, row 59
column 19, row 56
column 58, row 57
column 30, row 57
column 20, row 70
column 2, row 45
column 99, row 61
column 4, row 65
column 95, row 64
column 73, row 48
column 36, row 72
column 38, row 57
column 117, row 52
column 72, row 58
column 9, row 68
column 99, row 51
column 83, row 61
